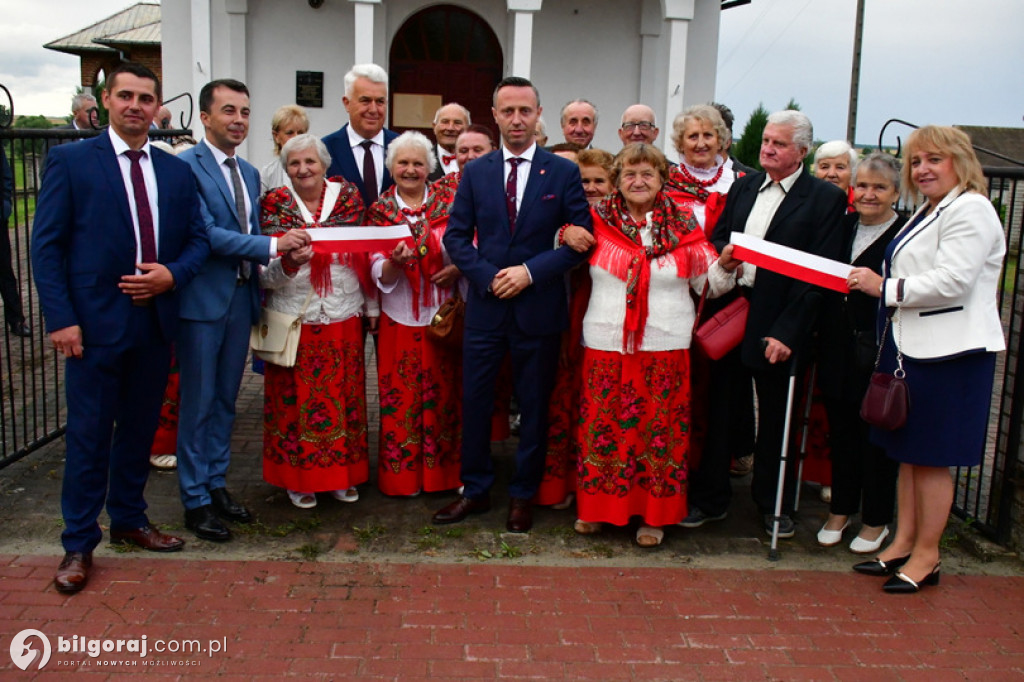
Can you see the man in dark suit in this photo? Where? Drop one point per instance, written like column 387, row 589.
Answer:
column 359, row 147
column 220, row 308
column 14, row 314
column 786, row 205
column 449, row 122
column 512, row 202
column 118, row 235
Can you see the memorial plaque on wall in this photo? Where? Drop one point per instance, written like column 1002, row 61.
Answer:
column 309, row 88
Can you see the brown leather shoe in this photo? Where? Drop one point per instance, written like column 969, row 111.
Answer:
column 520, row 516
column 461, row 508
column 147, row 537
column 73, row 572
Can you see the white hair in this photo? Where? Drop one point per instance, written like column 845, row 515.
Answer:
column 303, row 142
column 830, row 150
column 81, row 98
column 464, row 110
column 370, row 72
column 415, row 140
column 803, row 132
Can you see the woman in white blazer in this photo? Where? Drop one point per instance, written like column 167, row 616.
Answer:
column 941, row 275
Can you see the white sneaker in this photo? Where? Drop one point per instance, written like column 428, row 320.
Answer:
column 862, row 546
column 350, row 495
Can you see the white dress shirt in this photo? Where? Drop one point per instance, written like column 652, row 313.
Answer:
column 522, row 171
column 769, row 198
column 355, row 141
column 149, row 175
column 450, row 167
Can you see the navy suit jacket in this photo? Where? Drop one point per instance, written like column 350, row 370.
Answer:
column 808, row 219
column 343, row 162
column 554, row 197
column 83, row 239
column 230, row 242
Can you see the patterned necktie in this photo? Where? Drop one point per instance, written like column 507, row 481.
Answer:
column 147, row 236
column 236, row 185
column 447, row 158
column 369, row 171
column 510, row 192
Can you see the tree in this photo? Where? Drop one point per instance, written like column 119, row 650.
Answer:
column 748, row 147
column 35, row 121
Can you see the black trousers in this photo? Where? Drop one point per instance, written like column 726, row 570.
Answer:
column 8, row 282
column 772, row 388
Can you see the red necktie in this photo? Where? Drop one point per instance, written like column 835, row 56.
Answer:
column 147, row 236
column 510, row 192
column 369, row 171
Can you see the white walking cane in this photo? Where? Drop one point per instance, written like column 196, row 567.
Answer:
column 773, row 553
column 806, row 427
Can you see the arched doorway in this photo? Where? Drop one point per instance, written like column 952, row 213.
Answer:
column 443, row 53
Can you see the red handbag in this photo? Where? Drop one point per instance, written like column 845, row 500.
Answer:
column 723, row 331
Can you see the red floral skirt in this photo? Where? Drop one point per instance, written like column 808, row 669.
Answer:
column 563, row 413
column 165, row 440
column 420, row 426
column 314, row 414
column 634, row 437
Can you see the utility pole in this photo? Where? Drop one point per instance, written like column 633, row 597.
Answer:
column 858, row 36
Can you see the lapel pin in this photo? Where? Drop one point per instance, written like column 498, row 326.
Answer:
column 543, row 171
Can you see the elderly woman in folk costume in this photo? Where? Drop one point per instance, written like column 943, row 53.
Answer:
column 635, row 399
column 314, row 436
column 419, row 388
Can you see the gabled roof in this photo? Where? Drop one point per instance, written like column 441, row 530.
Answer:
column 133, row 25
column 1007, row 141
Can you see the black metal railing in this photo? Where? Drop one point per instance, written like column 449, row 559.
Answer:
column 32, row 408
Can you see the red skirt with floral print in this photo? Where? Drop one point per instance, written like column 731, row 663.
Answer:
column 314, row 414
column 420, row 410
column 634, row 437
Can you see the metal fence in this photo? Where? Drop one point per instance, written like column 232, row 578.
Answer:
column 31, row 380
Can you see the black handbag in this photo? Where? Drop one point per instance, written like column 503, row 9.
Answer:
column 886, row 403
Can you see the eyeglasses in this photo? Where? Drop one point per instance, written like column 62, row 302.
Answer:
column 644, row 126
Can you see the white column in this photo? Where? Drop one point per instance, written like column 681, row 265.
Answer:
column 678, row 15
column 202, row 58
column 363, row 43
column 237, row 66
column 522, row 35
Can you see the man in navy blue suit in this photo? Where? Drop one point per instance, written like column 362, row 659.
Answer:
column 512, row 202
column 359, row 147
column 118, row 235
column 220, row 308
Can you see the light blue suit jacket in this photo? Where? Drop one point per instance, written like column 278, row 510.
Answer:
column 211, row 293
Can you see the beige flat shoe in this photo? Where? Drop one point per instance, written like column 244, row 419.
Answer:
column 648, row 536
column 586, row 527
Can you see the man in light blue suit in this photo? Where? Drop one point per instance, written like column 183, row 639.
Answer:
column 218, row 311
column 117, row 237
column 358, row 149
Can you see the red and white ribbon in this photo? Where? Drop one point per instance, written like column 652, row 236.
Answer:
column 806, row 267
column 358, row 238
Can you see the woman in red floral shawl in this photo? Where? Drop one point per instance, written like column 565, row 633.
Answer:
column 314, row 416
column 420, row 407
column 635, row 398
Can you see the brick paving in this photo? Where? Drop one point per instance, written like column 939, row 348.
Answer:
column 389, row 597
column 404, row 621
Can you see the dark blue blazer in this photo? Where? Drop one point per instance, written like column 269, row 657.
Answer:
column 343, row 162
column 230, row 242
column 554, row 197
column 83, row 239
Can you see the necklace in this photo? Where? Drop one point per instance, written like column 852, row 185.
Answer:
column 703, row 184
column 320, row 205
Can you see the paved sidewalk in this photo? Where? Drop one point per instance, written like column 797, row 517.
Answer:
column 398, row 621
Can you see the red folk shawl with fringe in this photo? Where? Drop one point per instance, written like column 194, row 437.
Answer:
column 685, row 192
column 280, row 212
column 620, row 251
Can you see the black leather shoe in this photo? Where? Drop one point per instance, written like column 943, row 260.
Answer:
column 20, row 329
column 901, row 583
column 879, row 568
column 461, row 508
column 204, row 523
column 227, row 508
column 73, row 572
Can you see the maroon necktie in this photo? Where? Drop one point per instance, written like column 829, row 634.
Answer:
column 147, row 236
column 510, row 192
column 369, row 171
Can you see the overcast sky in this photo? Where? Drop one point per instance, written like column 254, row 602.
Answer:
column 925, row 61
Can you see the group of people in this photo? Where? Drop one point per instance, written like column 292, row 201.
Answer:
column 580, row 278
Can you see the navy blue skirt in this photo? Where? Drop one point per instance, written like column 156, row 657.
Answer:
column 949, row 409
